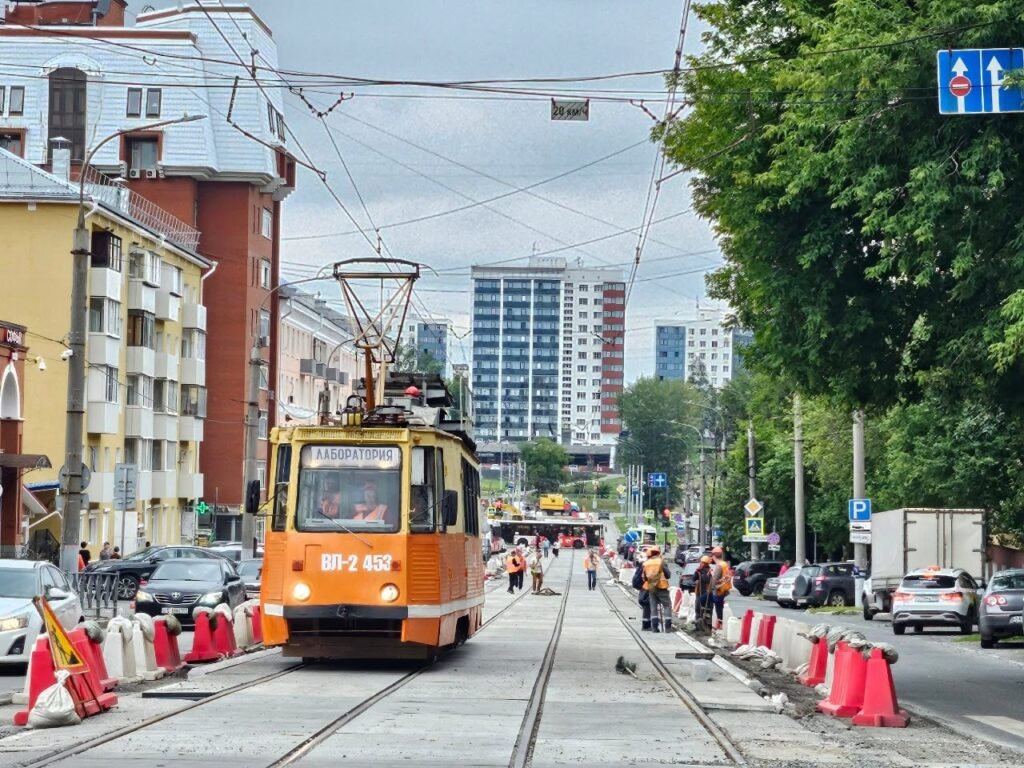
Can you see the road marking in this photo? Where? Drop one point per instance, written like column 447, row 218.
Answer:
column 1001, row 722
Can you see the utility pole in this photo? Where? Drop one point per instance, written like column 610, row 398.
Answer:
column 799, row 522
column 860, row 551
column 702, row 517
column 752, row 479
column 252, row 420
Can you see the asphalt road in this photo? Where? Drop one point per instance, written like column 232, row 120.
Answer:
column 957, row 682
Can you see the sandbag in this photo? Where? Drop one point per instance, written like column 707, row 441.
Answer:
column 173, row 625
column 889, row 653
column 209, row 613
column 145, row 622
column 94, row 631
column 54, row 707
column 126, row 625
column 225, row 611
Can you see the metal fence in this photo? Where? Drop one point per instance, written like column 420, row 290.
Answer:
column 98, row 593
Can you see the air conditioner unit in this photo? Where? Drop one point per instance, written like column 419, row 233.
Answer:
column 133, row 173
column 151, row 173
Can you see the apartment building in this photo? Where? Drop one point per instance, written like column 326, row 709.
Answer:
column 548, row 346
column 146, row 400
column 707, row 346
column 80, row 73
column 429, row 337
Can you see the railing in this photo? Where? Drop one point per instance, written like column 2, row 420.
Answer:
column 116, row 195
column 98, row 593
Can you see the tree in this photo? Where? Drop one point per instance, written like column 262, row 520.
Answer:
column 545, row 464
column 872, row 245
column 409, row 359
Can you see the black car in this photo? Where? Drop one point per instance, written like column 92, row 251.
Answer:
column 829, row 584
column 749, row 577
column 686, row 577
column 176, row 587
column 139, row 565
column 251, row 571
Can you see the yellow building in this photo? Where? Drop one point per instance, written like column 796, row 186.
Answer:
column 146, row 350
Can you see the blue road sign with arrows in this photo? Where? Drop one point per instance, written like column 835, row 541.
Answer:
column 972, row 81
column 657, row 480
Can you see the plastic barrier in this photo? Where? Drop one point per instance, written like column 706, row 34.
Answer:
column 257, row 623
column 733, row 630
column 39, row 677
column 142, row 646
column 675, row 594
column 42, row 676
column 93, row 656
column 224, row 633
column 780, row 638
column 203, row 648
column 241, row 625
column 118, row 654
column 748, row 618
column 830, row 669
column 816, row 666
column 765, row 631
column 846, row 697
column 880, row 708
column 755, row 626
column 165, row 644
column 799, row 652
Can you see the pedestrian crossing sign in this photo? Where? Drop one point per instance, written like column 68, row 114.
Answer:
column 755, row 526
column 64, row 654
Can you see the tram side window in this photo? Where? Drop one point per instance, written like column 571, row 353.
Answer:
column 471, row 497
column 281, row 474
column 425, row 495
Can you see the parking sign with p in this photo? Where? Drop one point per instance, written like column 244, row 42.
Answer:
column 860, row 510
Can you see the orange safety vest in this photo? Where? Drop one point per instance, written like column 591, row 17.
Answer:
column 589, row 563
column 377, row 513
column 514, row 564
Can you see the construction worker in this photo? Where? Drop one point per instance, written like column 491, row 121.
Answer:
column 656, row 576
column 702, row 590
column 721, row 583
column 514, row 566
column 590, row 566
column 643, row 599
column 537, row 571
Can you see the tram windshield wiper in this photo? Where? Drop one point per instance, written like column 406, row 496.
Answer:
column 343, row 527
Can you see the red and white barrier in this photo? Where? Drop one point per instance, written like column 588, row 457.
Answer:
column 142, row 646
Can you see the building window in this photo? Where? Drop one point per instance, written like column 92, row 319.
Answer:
column 67, row 109
column 174, row 279
column 145, row 266
column 142, row 154
column 193, row 344
column 17, row 105
column 264, row 273
column 141, row 328
column 275, row 122
column 106, row 251
column 264, row 329
column 262, row 431
column 261, row 474
column 105, row 316
column 134, row 106
column 140, row 391
column 13, row 143
column 111, row 385
column 165, row 396
column 193, row 401
column 157, row 455
column 267, row 223
column 153, row 99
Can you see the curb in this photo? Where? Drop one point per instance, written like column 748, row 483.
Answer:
column 206, row 669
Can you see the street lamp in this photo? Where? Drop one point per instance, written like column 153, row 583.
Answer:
column 72, row 482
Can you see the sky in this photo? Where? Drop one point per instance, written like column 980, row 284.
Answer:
column 463, row 141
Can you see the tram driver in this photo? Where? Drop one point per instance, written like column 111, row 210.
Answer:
column 370, row 508
column 330, row 504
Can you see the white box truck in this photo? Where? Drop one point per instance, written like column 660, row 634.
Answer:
column 903, row 540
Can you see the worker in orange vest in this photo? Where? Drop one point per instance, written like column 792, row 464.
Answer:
column 515, row 566
column 656, row 576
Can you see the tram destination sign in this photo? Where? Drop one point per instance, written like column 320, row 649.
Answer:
column 352, row 456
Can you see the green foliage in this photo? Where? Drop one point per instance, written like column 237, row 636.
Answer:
column 545, row 464
column 408, row 359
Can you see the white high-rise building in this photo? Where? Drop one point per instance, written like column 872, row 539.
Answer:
column 704, row 346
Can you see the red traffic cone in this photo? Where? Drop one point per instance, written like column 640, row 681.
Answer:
column 93, row 657
column 748, row 619
column 224, row 637
column 815, row 674
column 165, row 647
column 880, row 709
column 202, row 642
column 257, row 624
column 847, row 694
column 41, row 676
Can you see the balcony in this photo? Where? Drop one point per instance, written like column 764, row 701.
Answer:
column 101, row 487
column 103, row 349
column 166, row 366
column 141, row 296
column 164, row 485
column 102, row 418
column 105, row 282
column 101, row 187
column 165, row 426
column 193, row 316
column 144, row 485
column 192, row 371
column 138, row 422
column 190, row 486
column 141, row 360
column 190, row 429
column 168, row 306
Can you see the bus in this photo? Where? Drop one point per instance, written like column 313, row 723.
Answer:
column 373, row 543
column 570, row 534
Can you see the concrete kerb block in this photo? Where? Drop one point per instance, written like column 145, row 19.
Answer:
column 142, row 648
column 118, row 651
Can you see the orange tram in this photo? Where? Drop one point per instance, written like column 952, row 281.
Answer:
column 372, row 546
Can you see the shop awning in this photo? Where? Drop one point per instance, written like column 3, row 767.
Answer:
column 24, row 461
column 32, row 504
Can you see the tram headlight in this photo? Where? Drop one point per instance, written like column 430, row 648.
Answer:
column 389, row 593
column 301, row 592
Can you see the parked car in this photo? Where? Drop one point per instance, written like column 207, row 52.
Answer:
column 832, row 584
column 251, row 571
column 749, row 577
column 139, row 565
column 20, row 623
column 1001, row 611
column 176, row 587
column 771, row 588
column 786, row 591
column 686, row 580
column 935, row 597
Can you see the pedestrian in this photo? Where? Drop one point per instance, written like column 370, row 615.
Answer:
column 702, row 592
column 546, row 545
column 656, row 576
column 643, row 599
column 148, row 545
column 81, row 562
column 555, row 546
column 106, row 551
column 721, row 585
column 116, row 554
column 514, row 566
column 537, row 571
column 590, row 566
column 784, row 568
column 83, row 553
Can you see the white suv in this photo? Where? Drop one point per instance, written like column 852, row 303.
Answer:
column 935, row 597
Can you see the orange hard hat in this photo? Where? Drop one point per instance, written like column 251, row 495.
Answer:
column 705, row 560
column 716, row 551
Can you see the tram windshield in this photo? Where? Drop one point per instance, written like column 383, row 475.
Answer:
column 349, row 489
